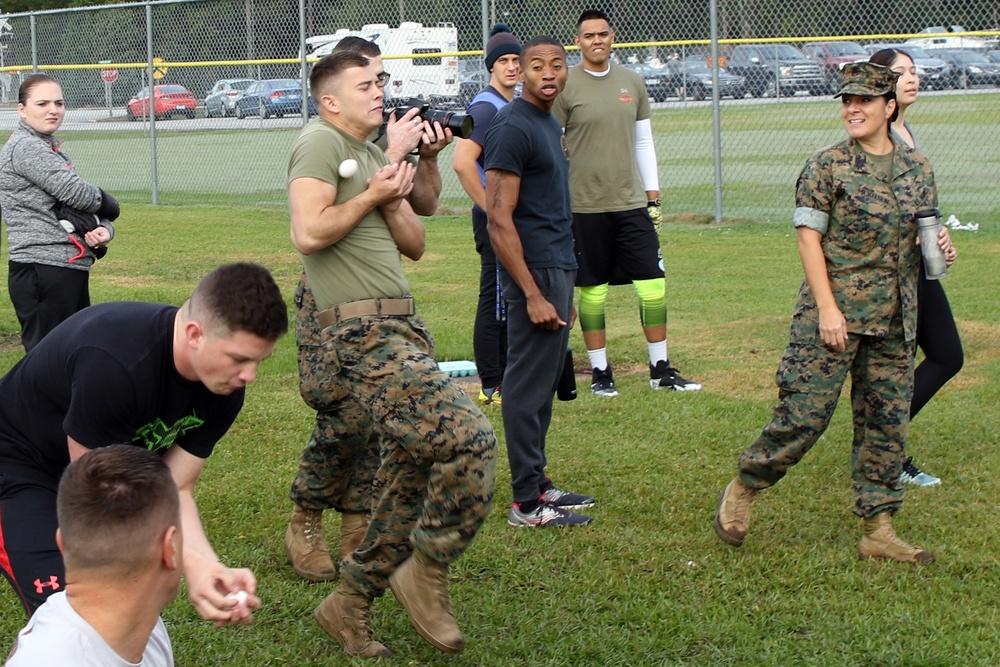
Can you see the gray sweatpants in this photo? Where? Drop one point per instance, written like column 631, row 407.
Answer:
column 534, row 361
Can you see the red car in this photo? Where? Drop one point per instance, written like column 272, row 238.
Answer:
column 168, row 100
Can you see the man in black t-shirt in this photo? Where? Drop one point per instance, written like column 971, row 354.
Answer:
column 167, row 379
column 530, row 226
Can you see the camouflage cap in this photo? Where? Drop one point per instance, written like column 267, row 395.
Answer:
column 866, row 79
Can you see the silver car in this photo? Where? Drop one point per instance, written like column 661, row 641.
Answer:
column 221, row 99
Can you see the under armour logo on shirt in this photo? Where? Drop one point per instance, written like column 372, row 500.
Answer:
column 52, row 583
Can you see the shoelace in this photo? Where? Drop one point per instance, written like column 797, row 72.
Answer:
column 312, row 526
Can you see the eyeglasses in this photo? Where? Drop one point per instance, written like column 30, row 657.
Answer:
column 382, row 79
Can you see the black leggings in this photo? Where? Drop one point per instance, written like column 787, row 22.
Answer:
column 937, row 336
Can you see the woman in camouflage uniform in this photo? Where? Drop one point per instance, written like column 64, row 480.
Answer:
column 856, row 313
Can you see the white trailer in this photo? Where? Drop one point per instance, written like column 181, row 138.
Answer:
column 411, row 54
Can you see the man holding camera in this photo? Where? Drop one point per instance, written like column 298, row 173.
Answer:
column 489, row 334
column 438, row 450
column 337, row 466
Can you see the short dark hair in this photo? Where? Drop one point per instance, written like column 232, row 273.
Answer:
column 29, row 84
column 590, row 15
column 542, row 40
column 355, row 44
column 114, row 505
column 331, row 66
column 240, row 297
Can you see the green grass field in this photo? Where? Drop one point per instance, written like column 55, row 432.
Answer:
column 648, row 583
column 764, row 146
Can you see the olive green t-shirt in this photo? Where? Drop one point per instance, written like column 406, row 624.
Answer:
column 366, row 262
column 881, row 165
column 599, row 116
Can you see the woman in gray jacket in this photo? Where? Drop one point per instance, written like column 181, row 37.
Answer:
column 57, row 223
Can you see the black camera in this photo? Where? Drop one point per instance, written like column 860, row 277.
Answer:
column 460, row 124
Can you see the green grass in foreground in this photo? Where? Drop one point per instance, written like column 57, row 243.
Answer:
column 648, row 583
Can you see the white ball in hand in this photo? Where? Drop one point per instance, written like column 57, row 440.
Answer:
column 348, row 168
column 239, row 596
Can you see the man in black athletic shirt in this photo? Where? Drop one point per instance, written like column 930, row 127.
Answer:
column 167, row 379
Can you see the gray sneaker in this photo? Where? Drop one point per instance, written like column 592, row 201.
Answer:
column 545, row 516
column 565, row 499
column 913, row 475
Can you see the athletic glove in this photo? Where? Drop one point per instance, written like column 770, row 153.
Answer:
column 655, row 214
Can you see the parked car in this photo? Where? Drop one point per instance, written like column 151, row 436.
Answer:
column 695, row 79
column 658, row 85
column 773, row 69
column 832, row 56
column 969, row 68
column 272, row 97
column 168, row 100
column 993, row 56
column 934, row 73
column 221, row 99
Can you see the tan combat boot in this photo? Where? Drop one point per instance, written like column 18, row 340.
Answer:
column 344, row 616
column 352, row 532
column 421, row 586
column 306, row 547
column 880, row 541
column 733, row 518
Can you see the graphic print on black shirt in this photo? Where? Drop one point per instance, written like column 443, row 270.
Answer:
column 157, row 435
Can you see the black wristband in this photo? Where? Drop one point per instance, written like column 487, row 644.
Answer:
column 653, row 202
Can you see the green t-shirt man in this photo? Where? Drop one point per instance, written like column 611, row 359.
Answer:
column 365, row 263
column 599, row 114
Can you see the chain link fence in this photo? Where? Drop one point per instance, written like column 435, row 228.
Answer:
column 774, row 111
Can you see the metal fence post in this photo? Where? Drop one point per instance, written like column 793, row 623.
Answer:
column 716, row 121
column 152, row 103
column 34, row 44
column 303, row 64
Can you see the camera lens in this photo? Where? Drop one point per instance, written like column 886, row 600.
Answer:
column 460, row 124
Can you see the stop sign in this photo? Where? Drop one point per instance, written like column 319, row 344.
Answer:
column 109, row 75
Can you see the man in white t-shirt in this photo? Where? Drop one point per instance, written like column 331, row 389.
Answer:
column 120, row 536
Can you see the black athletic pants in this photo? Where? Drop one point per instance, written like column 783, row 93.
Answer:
column 489, row 334
column 43, row 296
column 29, row 557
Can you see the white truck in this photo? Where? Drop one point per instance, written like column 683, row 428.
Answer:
column 951, row 37
column 420, row 59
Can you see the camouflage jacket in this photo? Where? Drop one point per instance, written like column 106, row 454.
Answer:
column 869, row 237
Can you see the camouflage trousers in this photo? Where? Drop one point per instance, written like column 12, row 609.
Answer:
column 337, row 466
column 434, row 486
column 810, row 379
